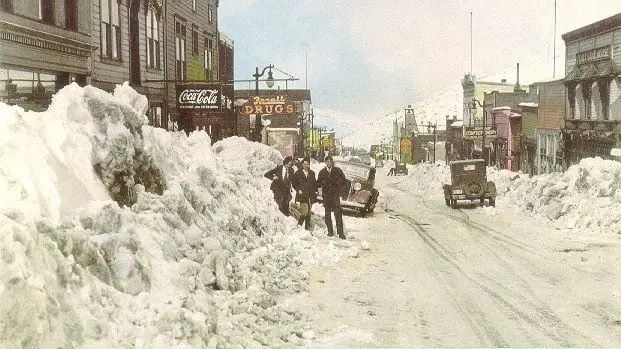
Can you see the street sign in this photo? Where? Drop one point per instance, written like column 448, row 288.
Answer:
column 615, row 152
column 477, row 132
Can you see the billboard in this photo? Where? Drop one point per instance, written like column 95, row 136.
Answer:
column 199, row 97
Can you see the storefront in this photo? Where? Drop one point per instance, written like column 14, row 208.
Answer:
column 593, row 88
column 37, row 59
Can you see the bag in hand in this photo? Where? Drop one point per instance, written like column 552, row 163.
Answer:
column 304, row 208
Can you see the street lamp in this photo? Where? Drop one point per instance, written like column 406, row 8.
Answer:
column 429, row 127
column 270, row 83
column 474, row 107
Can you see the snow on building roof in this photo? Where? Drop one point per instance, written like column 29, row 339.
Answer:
column 529, row 104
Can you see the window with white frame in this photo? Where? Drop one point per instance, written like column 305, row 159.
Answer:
column 153, row 39
column 208, row 58
column 209, row 13
column 195, row 40
column 180, row 38
column 194, row 5
column 110, row 29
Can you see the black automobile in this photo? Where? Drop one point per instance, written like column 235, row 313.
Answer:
column 469, row 182
column 359, row 192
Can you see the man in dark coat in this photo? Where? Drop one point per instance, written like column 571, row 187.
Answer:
column 331, row 179
column 281, row 184
column 305, row 186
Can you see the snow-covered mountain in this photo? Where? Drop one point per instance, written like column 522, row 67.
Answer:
column 436, row 108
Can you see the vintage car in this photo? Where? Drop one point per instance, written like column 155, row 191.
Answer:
column 469, row 182
column 401, row 168
column 359, row 193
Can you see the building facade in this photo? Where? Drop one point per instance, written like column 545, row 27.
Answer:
column 45, row 45
column 592, row 68
column 552, row 103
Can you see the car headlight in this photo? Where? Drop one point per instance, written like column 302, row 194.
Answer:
column 458, row 191
column 357, row 186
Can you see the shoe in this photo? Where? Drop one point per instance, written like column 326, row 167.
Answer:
column 330, row 234
column 342, row 237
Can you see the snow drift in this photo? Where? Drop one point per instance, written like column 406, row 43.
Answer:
column 195, row 256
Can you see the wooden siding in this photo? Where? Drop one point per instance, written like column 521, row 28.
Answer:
column 612, row 37
column 615, row 99
column 552, row 105
column 182, row 10
column 529, row 122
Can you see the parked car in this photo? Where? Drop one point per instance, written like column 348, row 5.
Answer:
column 469, row 182
column 359, row 192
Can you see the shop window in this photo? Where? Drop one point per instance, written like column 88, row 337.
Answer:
column 153, row 39
column 110, row 29
column 180, row 37
column 156, row 118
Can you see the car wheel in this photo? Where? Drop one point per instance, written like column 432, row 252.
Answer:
column 482, row 201
column 492, row 202
column 362, row 212
column 448, row 202
column 453, row 203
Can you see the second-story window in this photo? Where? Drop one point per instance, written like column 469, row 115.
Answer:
column 194, row 5
column 6, row 5
column 194, row 39
column 208, row 58
column 153, row 40
column 209, row 13
column 180, row 37
column 110, row 29
column 46, row 11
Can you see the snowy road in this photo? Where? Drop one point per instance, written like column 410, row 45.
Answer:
column 436, row 276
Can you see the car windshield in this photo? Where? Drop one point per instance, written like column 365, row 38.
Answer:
column 353, row 169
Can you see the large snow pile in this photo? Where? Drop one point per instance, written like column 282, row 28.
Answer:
column 200, row 264
column 586, row 197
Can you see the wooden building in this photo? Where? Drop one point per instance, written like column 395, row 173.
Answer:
column 45, row 45
column 592, row 68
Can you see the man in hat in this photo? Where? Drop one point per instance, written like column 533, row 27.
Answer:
column 331, row 179
column 281, row 184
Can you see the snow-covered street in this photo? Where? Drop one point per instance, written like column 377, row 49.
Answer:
column 201, row 257
column 471, row 277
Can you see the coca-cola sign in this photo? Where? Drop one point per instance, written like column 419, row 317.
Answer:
column 203, row 97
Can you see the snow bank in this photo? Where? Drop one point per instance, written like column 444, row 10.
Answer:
column 198, row 266
column 587, row 197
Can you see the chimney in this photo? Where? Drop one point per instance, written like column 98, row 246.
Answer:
column 517, row 82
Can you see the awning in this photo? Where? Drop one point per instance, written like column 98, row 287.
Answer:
column 592, row 71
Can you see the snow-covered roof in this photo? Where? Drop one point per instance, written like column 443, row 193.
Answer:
column 529, row 104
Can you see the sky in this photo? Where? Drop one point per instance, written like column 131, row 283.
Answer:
column 209, row 261
column 367, row 58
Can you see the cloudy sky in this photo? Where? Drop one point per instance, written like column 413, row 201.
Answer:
column 368, row 57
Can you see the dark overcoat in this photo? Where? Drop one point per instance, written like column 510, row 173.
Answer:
column 305, row 186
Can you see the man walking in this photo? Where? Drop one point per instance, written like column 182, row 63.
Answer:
column 305, row 186
column 331, row 179
column 281, row 184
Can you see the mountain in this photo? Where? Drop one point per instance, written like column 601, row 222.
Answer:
column 436, row 108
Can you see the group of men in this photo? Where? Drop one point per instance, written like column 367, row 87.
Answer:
column 303, row 181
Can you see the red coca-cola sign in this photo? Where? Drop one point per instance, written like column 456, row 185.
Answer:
column 204, row 97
